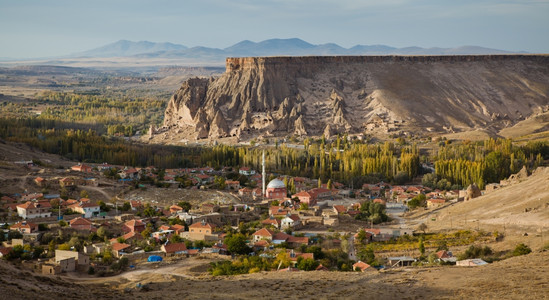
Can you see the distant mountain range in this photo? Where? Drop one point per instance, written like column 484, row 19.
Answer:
column 272, row 47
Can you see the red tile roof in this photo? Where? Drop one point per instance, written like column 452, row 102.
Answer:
column 27, row 205
column 134, row 223
column 79, row 221
column 303, row 194
column 175, row 208
column 321, row 268
column 443, row 254
column 361, row 265
column 24, row 224
column 281, row 236
column 374, row 231
column 178, row 228
column 173, row 248
column 132, row 235
column 120, row 246
column 298, row 240
column 303, row 255
column 340, row 208
column 5, row 250
column 264, row 232
column 261, row 243
column 271, row 221
column 199, row 225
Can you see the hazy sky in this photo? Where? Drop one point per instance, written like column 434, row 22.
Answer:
column 40, row 28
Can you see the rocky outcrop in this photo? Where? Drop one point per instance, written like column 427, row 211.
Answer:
column 472, row 192
column 328, row 131
column 219, row 128
column 352, row 94
column 516, row 178
column 299, row 127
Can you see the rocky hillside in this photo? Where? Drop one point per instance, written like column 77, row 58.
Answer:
column 282, row 96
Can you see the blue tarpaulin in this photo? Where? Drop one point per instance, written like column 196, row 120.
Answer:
column 154, row 258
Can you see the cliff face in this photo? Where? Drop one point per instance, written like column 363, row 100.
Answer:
column 328, row 95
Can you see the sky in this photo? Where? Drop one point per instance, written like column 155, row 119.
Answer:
column 46, row 28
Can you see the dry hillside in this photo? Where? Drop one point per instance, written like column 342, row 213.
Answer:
column 520, row 207
column 525, row 277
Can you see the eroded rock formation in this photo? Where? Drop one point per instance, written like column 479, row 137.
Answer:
column 285, row 96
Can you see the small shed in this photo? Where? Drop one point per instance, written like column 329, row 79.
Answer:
column 400, row 261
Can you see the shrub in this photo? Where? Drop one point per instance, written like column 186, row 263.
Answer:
column 521, row 249
column 476, row 252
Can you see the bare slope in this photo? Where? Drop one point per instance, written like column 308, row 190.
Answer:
column 303, row 95
column 525, row 275
column 523, row 206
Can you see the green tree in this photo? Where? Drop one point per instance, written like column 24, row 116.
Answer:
column 84, row 194
column 307, row 264
column 64, row 247
column 107, row 257
column 236, row 244
column 367, row 255
column 361, row 236
column 126, row 206
column 103, row 206
column 219, row 181
column 63, row 193
column 417, row 201
column 185, row 205
column 102, row 232
column 421, row 246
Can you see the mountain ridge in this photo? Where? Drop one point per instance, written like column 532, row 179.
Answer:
column 269, row 47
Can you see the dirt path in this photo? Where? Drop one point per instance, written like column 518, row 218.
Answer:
column 149, row 272
column 98, row 190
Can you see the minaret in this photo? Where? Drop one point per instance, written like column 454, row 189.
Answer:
column 263, row 175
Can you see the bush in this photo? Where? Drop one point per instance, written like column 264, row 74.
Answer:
column 521, row 249
column 307, row 264
column 476, row 252
column 417, row 201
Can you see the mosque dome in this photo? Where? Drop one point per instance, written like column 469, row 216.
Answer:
column 276, row 184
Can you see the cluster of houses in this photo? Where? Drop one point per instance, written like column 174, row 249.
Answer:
column 206, row 222
column 404, row 193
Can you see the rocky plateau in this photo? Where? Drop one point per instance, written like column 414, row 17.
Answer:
column 329, row 95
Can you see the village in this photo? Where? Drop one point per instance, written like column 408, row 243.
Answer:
column 100, row 220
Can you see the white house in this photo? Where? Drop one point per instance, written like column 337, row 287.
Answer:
column 290, row 221
column 89, row 210
column 246, row 171
column 29, row 210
